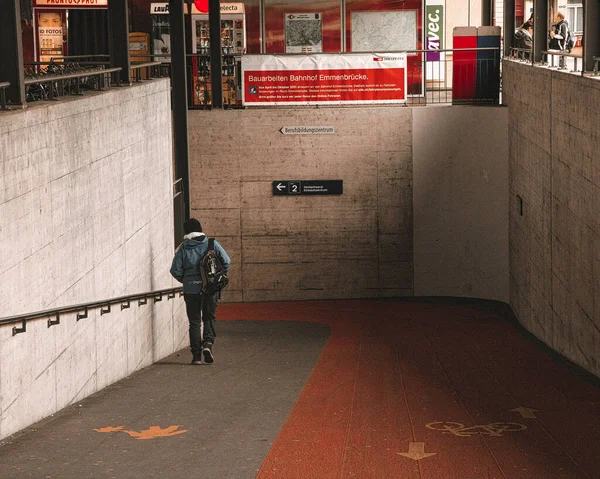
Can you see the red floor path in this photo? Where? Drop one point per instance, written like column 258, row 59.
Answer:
column 402, row 377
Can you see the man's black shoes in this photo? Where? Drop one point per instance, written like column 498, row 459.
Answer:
column 208, row 355
column 196, row 360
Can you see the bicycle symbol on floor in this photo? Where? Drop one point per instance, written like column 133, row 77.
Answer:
column 495, row 429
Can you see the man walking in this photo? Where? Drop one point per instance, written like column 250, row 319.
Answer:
column 201, row 308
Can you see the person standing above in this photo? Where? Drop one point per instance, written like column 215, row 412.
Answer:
column 559, row 33
column 524, row 36
column 201, row 307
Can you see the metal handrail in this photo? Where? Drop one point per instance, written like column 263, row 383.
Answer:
column 82, row 310
column 3, row 86
column 560, row 53
column 74, row 57
column 146, row 55
column 521, row 53
column 71, row 76
column 449, row 50
column 100, row 73
column 138, row 67
column 53, row 63
column 145, row 65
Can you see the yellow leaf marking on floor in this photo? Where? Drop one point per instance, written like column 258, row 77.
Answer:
column 150, row 433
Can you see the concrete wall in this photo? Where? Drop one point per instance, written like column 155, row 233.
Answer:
column 360, row 244
column 288, row 248
column 555, row 244
column 85, row 214
column 461, row 202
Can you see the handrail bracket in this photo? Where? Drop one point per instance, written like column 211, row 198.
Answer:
column 54, row 322
column 22, row 329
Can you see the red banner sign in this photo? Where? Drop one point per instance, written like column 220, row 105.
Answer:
column 324, row 79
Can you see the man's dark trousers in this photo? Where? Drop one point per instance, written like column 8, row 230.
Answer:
column 201, row 308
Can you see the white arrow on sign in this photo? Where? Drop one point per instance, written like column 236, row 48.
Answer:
column 280, row 186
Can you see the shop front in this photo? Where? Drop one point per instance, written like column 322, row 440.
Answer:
column 50, row 25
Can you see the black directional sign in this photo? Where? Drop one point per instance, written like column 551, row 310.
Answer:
column 308, row 187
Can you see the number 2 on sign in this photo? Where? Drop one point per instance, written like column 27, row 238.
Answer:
column 294, row 187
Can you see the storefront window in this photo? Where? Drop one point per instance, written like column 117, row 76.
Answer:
column 574, row 15
column 299, row 26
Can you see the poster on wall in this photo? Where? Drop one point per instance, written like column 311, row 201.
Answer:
column 435, row 30
column 161, row 31
column 303, row 33
column 384, row 31
column 50, row 35
column 270, row 80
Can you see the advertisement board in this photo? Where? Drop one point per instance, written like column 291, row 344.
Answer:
column 357, row 78
column 435, row 39
column 303, row 33
column 50, row 35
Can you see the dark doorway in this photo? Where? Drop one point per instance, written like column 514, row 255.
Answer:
column 88, row 32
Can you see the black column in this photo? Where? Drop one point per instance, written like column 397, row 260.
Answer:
column 591, row 33
column 189, row 48
column 11, row 64
column 540, row 29
column 509, row 25
column 118, row 19
column 486, row 13
column 179, row 100
column 214, row 23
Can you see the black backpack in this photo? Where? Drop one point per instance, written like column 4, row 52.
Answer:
column 570, row 40
column 212, row 272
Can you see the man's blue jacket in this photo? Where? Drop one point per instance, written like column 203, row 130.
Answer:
column 185, row 263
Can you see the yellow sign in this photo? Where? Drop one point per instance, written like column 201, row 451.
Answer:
column 152, row 433
column 495, row 429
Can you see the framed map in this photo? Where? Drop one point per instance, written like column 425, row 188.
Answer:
column 384, row 31
column 303, row 33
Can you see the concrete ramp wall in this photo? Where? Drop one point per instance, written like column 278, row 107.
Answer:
column 461, row 202
column 85, row 214
column 445, row 167
column 554, row 120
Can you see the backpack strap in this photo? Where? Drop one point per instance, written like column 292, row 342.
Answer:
column 211, row 244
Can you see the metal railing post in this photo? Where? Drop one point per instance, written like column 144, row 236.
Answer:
column 216, row 52
column 179, row 99
column 11, row 65
column 591, row 37
column 3, row 87
column 119, row 37
column 509, row 25
column 540, row 29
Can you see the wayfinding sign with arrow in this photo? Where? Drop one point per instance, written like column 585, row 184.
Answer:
column 308, row 187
